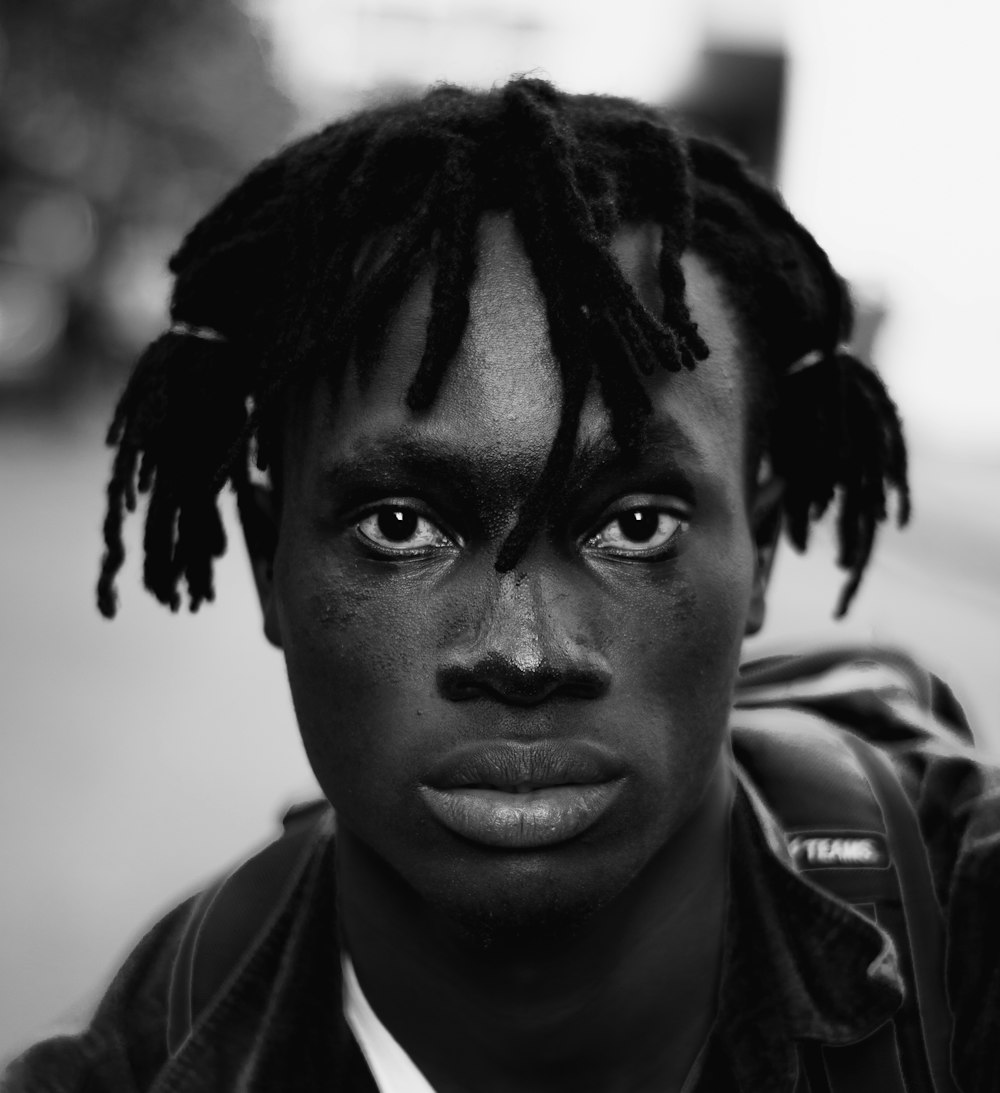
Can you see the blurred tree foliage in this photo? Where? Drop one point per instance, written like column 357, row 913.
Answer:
column 120, row 122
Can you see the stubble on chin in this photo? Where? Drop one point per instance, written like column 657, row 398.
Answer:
column 501, row 932
column 520, row 920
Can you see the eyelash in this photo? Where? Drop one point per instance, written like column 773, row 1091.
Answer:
column 435, row 538
column 404, row 509
column 660, row 550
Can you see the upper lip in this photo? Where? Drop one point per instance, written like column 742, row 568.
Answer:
column 519, row 765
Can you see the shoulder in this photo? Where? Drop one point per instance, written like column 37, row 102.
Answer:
column 883, row 697
column 908, row 716
column 124, row 1043
column 957, row 799
column 959, row 807
column 148, row 1006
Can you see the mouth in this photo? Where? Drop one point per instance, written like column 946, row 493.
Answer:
column 521, row 796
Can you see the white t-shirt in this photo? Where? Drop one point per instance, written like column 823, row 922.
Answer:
column 394, row 1071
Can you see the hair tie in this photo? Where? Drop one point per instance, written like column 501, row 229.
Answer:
column 814, row 357
column 205, row 333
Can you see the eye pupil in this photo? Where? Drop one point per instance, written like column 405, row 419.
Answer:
column 639, row 526
column 397, row 525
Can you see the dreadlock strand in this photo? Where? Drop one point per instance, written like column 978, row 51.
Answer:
column 651, row 344
column 841, row 440
column 120, row 492
column 159, row 571
column 377, row 300
column 621, row 389
column 406, row 254
column 336, row 207
column 885, row 420
column 567, row 225
column 676, row 316
column 200, row 538
column 456, row 270
column 661, row 163
column 715, row 163
column 536, row 505
column 276, row 265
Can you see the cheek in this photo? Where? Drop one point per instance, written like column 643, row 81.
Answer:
column 341, row 629
column 681, row 643
column 358, row 665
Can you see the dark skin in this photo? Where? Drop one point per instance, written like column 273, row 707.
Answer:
column 578, row 1012
column 564, row 932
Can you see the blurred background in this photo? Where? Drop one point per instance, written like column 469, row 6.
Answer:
column 138, row 759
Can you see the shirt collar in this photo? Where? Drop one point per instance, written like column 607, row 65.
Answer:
column 394, row 1071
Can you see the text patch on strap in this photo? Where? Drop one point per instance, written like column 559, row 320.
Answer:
column 839, row 850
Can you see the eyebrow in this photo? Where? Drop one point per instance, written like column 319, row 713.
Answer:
column 665, row 437
column 472, row 472
column 387, row 457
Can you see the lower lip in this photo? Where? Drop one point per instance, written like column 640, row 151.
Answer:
column 521, row 821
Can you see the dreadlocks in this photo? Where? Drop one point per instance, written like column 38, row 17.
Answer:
column 268, row 289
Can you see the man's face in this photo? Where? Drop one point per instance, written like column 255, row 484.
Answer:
column 520, row 743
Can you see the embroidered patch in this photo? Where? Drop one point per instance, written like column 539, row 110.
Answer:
column 826, row 850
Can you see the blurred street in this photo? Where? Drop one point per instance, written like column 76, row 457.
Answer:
column 142, row 756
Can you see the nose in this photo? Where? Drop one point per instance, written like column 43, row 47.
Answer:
column 528, row 645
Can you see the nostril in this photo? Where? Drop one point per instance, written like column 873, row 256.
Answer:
column 500, row 678
column 493, row 676
column 587, row 685
column 457, row 683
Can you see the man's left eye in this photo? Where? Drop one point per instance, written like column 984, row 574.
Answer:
column 637, row 532
column 397, row 528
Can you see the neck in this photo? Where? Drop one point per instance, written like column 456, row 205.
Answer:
column 622, row 1004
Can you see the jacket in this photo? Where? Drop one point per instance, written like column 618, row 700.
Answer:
column 801, row 969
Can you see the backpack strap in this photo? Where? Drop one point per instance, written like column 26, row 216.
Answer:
column 228, row 918
column 850, row 828
column 924, row 922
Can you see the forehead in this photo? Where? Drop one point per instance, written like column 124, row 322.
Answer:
column 503, row 391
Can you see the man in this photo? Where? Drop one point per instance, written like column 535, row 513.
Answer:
column 516, row 391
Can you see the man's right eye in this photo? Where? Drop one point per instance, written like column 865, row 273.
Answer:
column 400, row 529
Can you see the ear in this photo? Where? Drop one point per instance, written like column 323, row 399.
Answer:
column 260, row 515
column 765, row 517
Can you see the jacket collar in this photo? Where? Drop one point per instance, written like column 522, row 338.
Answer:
column 279, row 1022
column 799, row 965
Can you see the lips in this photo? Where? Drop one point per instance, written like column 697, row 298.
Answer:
column 521, row 796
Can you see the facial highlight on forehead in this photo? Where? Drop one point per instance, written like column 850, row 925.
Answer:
column 707, row 298
column 719, row 380
column 505, row 283
column 507, row 337
column 507, row 330
column 636, row 248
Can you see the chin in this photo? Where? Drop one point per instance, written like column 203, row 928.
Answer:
column 525, row 904
column 522, row 926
